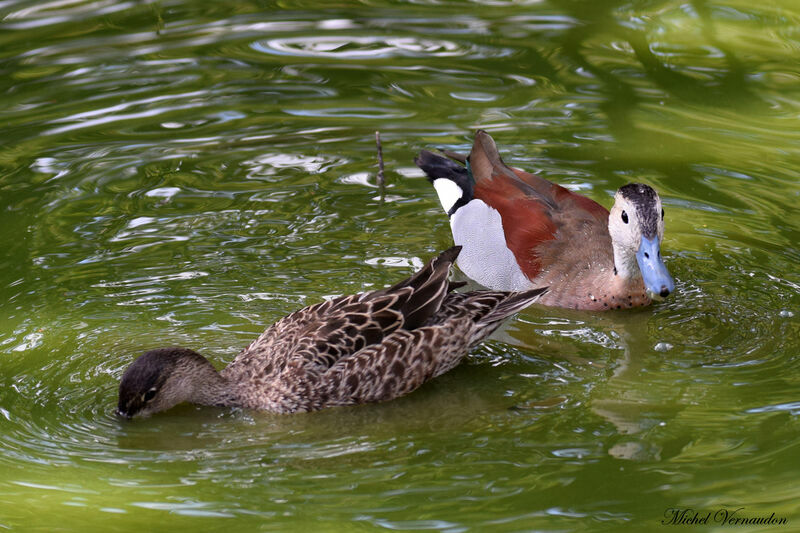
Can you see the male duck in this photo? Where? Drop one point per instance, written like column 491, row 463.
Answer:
column 368, row 347
column 520, row 231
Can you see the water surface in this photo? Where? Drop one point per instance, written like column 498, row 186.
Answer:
column 182, row 172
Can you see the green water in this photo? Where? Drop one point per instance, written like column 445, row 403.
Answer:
column 186, row 173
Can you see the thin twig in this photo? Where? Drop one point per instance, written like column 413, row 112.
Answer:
column 381, row 177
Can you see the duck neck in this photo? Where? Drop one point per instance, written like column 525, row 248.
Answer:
column 625, row 266
column 211, row 388
column 626, row 286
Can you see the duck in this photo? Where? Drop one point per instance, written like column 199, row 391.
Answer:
column 367, row 347
column 520, row 231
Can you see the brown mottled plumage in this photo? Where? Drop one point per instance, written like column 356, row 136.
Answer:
column 368, row 347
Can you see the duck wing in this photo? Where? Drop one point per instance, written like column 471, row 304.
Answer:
column 316, row 337
column 533, row 210
column 527, row 208
column 407, row 359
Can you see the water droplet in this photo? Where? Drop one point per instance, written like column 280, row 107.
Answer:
column 662, row 347
column 785, row 313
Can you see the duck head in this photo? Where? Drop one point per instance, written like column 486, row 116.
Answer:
column 636, row 225
column 162, row 378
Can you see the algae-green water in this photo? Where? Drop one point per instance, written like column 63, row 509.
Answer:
column 185, row 173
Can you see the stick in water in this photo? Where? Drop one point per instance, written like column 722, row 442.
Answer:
column 381, row 177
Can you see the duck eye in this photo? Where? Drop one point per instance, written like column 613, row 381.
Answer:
column 662, row 214
column 149, row 395
column 625, row 217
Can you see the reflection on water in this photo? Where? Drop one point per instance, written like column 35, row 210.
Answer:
column 187, row 173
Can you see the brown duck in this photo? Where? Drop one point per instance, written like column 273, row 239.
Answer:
column 368, row 347
column 521, row 231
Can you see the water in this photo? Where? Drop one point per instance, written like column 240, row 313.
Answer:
column 186, row 173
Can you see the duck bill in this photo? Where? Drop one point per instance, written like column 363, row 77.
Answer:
column 657, row 280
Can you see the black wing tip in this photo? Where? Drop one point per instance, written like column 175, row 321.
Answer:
column 455, row 156
column 449, row 256
column 428, row 162
column 517, row 301
column 447, row 157
column 424, row 156
column 442, row 154
column 529, row 297
column 533, row 293
column 438, row 166
column 453, row 285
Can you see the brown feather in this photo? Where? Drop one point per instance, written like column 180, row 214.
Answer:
column 367, row 347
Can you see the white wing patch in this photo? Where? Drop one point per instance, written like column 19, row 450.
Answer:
column 449, row 193
column 485, row 256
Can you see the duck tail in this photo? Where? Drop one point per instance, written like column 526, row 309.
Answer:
column 514, row 302
column 452, row 181
column 506, row 304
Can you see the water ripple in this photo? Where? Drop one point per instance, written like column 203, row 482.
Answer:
column 186, row 173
